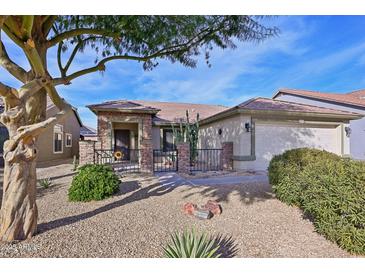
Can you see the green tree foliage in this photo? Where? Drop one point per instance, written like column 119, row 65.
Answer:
column 329, row 189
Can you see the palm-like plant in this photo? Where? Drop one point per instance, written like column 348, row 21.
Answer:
column 189, row 244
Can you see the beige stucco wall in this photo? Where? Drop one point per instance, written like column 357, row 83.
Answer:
column 254, row 150
column 233, row 130
column 274, row 138
column 45, row 140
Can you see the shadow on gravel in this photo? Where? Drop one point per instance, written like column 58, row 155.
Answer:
column 59, row 176
column 46, row 191
column 227, row 247
column 152, row 190
column 249, row 192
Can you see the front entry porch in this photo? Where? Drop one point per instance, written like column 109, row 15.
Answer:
column 125, row 139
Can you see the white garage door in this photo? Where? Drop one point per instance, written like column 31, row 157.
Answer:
column 275, row 139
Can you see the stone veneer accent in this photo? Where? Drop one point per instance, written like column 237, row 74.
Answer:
column 144, row 121
column 183, row 150
column 86, row 150
column 227, row 155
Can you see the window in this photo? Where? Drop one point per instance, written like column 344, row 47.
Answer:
column 68, row 140
column 57, row 139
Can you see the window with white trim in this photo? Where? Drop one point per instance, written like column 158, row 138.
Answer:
column 68, row 140
column 58, row 139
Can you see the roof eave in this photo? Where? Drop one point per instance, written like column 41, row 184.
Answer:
column 275, row 113
column 276, row 94
column 328, row 100
column 97, row 109
column 303, row 114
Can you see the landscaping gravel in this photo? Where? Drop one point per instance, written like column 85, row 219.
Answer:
column 137, row 221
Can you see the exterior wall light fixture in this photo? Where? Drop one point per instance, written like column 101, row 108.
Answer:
column 348, row 131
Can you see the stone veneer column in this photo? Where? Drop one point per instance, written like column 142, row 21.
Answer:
column 146, row 148
column 183, row 156
column 104, row 130
column 86, row 150
column 227, row 155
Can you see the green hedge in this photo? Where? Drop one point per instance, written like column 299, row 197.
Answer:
column 329, row 189
column 93, row 182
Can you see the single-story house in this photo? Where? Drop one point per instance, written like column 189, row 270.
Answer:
column 57, row 144
column 352, row 101
column 259, row 128
column 127, row 123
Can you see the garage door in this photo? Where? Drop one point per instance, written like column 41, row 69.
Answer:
column 275, row 139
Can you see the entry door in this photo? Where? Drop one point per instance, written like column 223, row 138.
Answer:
column 168, row 140
column 122, row 141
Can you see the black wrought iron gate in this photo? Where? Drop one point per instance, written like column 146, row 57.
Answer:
column 165, row 160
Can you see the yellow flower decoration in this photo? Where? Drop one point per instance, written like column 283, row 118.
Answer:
column 118, row 155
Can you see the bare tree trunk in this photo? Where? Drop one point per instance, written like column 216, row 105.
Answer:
column 19, row 210
column 18, row 216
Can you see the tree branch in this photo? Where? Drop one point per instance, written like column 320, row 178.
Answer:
column 2, row 20
column 34, row 58
column 27, row 26
column 5, row 90
column 11, row 97
column 34, row 130
column 59, row 61
column 73, row 54
column 48, row 23
column 13, row 37
column 99, row 67
column 14, row 69
column 76, row 32
column 29, row 89
column 198, row 38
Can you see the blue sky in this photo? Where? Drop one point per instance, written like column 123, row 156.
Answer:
column 325, row 53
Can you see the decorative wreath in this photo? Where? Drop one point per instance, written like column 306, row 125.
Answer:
column 118, row 155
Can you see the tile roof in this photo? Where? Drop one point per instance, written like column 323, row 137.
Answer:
column 122, row 105
column 354, row 98
column 277, row 105
column 87, row 131
column 165, row 111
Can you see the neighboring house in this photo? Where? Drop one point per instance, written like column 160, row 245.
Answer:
column 352, row 101
column 88, row 133
column 259, row 128
column 56, row 144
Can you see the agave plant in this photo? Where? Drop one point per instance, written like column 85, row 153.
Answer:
column 45, row 183
column 189, row 244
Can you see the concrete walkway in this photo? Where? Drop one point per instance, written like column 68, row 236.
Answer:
column 174, row 179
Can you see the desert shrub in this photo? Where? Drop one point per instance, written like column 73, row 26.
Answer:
column 190, row 244
column 93, row 182
column 329, row 189
column 45, row 183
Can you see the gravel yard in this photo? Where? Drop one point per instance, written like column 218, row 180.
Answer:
column 138, row 220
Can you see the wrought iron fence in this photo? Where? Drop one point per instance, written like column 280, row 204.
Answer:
column 165, row 160
column 206, row 160
column 126, row 161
